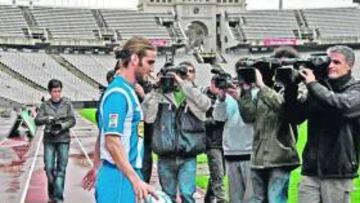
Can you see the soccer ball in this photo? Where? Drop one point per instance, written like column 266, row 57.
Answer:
column 163, row 198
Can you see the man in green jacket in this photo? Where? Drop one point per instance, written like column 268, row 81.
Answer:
column 58, row 116
column 274, row 154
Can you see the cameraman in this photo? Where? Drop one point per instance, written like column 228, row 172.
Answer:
column 58, row 116
column 214, row 150
column 331, row 154
column 237, row 144
column 274, row 153
column 179, row 133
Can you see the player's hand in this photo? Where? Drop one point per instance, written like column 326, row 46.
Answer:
column 88, row 182
column 142, row 190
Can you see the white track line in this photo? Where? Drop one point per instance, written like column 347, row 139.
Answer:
column 27, row 183
column 82, row 149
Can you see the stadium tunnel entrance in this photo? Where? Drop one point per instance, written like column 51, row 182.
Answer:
column 197, row 33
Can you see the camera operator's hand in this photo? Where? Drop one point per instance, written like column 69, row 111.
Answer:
column 245, row 86
column 222, row 95
column 178, row 79
column 259, row 79
column 49, row 120
column 57, row 128
column 234, row 92
column 308, row 75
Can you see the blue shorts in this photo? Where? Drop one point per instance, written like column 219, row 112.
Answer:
column 113, row 186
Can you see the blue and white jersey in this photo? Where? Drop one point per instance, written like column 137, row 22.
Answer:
column 121, row 115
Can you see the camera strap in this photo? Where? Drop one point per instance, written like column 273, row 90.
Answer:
column 171, row 102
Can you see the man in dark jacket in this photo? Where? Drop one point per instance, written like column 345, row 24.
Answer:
column 331, row 155
column 58, row 116
column 214, row 150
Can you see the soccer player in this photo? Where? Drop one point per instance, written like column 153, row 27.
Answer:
column 121, row 128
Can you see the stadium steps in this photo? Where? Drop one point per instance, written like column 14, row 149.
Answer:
column 179, row 33
column 198, row 57
column 220, row 58
column 21, row 78
column 242, row 34
column 74, row 70
column 172, row 33
column 99, row 18
column 28, row 16
column 303, row 17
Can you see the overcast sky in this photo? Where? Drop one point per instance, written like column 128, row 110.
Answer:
column 252, row 4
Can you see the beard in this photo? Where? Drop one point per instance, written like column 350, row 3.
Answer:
column 140, row 78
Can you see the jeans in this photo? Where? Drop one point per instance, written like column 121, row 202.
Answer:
column 55, row 160
column 270, row 185
column 178, row 171
column 215, row 189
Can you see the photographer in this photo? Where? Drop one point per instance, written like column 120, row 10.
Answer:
column 214, row 150
column 274, row 153
column 237, row 144
column 58, row 116
column 179, row 131
column 331, row 154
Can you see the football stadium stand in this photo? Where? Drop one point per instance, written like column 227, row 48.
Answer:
column 12, row 22
column 63, row 23
column 75, row 45
column 334, row 22
column 260, row 24
column 129, row 23
column 17, row 91
column 40, row 68
column 89, row 66
column 62, row 53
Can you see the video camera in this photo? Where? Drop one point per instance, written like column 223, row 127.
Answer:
column 223, row 79
column 245, row 69
column 167, row 81
column 288, row 73
column 285, row 71
column 55, row 125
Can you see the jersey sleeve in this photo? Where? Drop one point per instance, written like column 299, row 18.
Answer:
column 115, row 108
